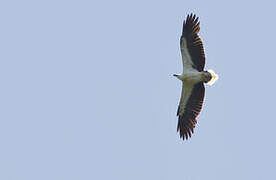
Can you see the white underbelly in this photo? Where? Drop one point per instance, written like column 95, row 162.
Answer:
column 191, row 77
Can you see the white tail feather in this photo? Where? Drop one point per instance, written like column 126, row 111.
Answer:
column 214, row 77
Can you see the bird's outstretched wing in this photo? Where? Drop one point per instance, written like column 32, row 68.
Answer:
column 191, row 45
column 189, row 107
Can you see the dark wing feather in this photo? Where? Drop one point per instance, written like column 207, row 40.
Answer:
column 194, row 44
column 187, row 119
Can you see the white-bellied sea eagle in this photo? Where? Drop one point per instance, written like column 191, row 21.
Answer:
column 193, row 77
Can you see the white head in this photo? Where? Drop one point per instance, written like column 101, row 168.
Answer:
column 178, row 76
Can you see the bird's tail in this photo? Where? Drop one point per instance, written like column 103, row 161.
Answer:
column 214, row 77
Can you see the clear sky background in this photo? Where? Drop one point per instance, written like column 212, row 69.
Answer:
column 87, row 91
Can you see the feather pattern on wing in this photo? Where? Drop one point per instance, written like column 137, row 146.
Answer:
column 189, row 107
column 191, row 45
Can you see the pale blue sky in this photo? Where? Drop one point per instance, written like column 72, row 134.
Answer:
column 87, row 91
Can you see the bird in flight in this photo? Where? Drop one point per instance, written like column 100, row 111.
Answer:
column 193, row 77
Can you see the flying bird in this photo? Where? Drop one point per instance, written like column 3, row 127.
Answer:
column 193, row 77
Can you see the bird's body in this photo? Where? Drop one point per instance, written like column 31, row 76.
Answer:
column 193, row 77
